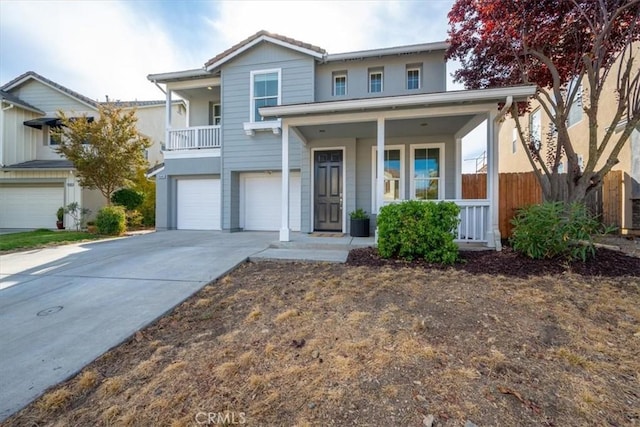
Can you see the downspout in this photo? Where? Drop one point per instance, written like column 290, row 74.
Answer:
column 493, row 173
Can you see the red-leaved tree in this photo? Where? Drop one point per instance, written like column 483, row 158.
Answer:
column 556, row 45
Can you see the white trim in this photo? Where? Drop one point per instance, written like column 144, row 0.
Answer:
column 194, row 84
column 441, row 160
column 285, row 189
column 192, row 154
column 344, row 184
column 419, row 78
column 273, row 125
column 67, row 94
column 252, row 74
column 371, row 73
column 337, row 76
column 374, row 158
column 458, row 174
column 398, row 50
column 418, row 100
column 154, row 173
column 254, row 42
column 380, row 142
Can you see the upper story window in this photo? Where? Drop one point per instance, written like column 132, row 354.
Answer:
column 413, row 77
column 375, row 81
column 575, row 110
column 535, row 128
column 340, row 84
column 265, row 92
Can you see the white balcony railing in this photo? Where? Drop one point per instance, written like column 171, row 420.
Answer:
column 194, row 138
column 474, row 219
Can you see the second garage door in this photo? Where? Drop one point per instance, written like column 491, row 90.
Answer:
column 260, row 201
column 198, row 204
column 23, row 206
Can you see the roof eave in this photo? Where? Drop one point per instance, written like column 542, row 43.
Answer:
column 23, row 106
column 429, row 99
column 174, row 76
column 65, row 92
column 398, row 50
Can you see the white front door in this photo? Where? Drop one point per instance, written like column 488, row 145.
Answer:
column 198, row 204
column 260, row 201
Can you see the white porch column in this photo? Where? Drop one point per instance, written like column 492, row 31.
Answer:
column 284, row 228
column 167, row 118
column 493, row 234
column 380, row 163
column 458, row 168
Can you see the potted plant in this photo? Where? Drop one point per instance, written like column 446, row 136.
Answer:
column 359, row 223
column 60, row 216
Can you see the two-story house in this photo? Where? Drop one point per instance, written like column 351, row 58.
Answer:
column 536, row 123
column 34, row 179
column 283, row 136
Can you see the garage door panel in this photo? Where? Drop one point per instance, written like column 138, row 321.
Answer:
column 261, row 202
column 30, row 207
column 198, row 204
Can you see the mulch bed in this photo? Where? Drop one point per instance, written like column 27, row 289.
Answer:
column 607, row 263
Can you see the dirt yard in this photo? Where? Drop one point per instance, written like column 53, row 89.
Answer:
column 379, row 343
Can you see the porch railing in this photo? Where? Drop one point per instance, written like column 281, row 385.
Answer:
column 194, row 138
column 474, row 217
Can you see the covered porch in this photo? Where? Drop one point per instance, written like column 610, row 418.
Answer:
column 415, row 140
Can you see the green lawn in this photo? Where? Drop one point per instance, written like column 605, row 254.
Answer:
column 39, row 238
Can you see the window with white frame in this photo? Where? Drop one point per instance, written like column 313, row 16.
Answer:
column 427, row 171
column 215, row 114
column 413, row 77
column 514, row 140
column 375, row 81
column 535, row 127
column 265, row 92
column 575, row 110
column 340, row 84
column 393, row 173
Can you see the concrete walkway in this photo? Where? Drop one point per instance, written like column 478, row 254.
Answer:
column 62, row 307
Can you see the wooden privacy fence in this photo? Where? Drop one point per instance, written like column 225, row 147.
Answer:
column 518, row 190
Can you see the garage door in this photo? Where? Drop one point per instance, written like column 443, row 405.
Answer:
column 260, row 204
column 198, row 204
column 30, row 207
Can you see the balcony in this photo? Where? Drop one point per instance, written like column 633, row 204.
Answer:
column 194, row 138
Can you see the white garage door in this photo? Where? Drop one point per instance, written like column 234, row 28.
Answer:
column 198, row 204
column 260, row 201
column 30, row 207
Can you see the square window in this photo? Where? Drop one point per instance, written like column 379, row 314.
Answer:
column 375, row 81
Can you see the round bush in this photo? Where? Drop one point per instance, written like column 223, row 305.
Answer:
column 130, row 199
column 111, row 220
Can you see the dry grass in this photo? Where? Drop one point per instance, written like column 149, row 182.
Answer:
column 316, row 345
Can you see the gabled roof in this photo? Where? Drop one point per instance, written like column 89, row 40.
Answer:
column 14, row 100
column 258, row 37
column 35, row 76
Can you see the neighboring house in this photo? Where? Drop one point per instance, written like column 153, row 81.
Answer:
column 34, row 180
column 282, row 136
column 513, row 158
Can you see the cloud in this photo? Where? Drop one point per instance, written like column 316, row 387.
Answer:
column 95, row 48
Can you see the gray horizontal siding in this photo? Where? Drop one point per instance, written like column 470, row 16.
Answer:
column 433, row 76
column 48, row 99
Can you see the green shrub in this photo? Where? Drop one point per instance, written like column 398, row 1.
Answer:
column 146, row 186
column 134, row 219
column 111, row 220
column 127, row 197
column 416, row 229
column 553, row 229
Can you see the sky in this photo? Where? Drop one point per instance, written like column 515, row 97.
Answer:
column 107, row 48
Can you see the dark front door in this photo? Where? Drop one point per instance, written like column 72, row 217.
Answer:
column 327, row 192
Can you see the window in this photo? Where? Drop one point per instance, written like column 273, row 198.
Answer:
column 514, row 140
column 393, row 174
column 535, row 128
column 561, row 167
column 375, row 81
column 340, row 84
column 215, row 114
column 413, row 78
column 575, row 110
column 52, row 139
column 265, row 92
column 427, row 171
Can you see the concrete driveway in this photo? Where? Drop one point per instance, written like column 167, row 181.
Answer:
column 60, row 308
